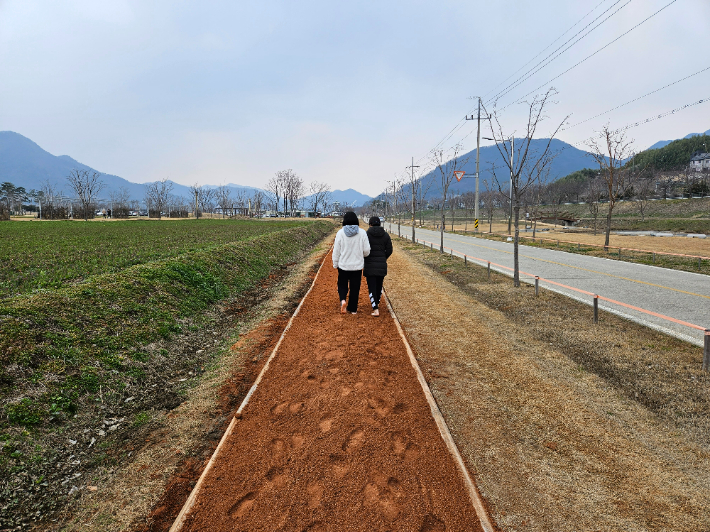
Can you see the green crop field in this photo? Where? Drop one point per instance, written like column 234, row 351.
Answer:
column 54, row 254
column 126, row 308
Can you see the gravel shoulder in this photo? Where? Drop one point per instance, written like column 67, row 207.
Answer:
column 565, row 426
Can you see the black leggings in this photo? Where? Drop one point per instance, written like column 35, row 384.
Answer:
column 352, row 278
column 374, row 286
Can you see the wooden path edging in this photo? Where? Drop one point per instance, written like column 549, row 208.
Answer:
column 475, row 496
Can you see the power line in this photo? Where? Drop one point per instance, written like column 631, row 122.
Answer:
column 662, row 115
column 537, row 67
column 593, row 54
column 635, row 99
column 543, row 51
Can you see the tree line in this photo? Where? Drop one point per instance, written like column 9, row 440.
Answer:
column 286, row 195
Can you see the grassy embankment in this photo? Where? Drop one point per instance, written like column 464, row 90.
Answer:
column 52, row 254
column 78, row 361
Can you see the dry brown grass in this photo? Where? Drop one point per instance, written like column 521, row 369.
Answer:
column 566, row 425
column 125, row 494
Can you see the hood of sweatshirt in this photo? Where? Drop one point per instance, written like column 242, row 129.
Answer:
column 351, row 230
column 376, row 231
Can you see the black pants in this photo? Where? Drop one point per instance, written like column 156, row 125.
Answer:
column 374, row 286
column 352, row 278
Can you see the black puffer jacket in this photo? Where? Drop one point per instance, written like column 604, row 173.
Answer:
column 380, row 250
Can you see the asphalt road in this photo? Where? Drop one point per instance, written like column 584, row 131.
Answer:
column 681, row 295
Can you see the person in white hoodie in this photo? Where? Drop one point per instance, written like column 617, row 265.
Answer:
column 349, row 252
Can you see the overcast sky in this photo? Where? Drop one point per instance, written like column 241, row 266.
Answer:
column 219, row 92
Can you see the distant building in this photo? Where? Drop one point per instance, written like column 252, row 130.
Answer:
column 700, row 161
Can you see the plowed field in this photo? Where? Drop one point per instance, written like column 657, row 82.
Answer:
column 337, row 437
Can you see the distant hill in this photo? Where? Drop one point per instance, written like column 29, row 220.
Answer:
column 25, row 164
column 675, row 155
column 349, row 197
column 664, row 143
column 569, row 159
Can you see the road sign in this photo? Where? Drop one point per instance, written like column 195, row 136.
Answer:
column 475, row 224
column 459, row 174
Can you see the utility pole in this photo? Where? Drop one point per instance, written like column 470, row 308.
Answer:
column 413, row 195
column 510, row 214
column 478, row 159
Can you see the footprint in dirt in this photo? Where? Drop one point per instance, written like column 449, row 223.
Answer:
column 355, row 440
column 294, row 408
column 326, row 423
column 335, row 354
column 243, row 505
column 279, row 409
column 276, row 476
column 402, row 447
column 340, row 466
column 386, row 494
column 315, row 494
column 379, row 405
column 432, row 524
column 280, row 448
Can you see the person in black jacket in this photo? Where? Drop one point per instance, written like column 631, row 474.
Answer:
column 376, row 262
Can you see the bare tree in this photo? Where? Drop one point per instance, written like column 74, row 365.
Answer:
column 276, row 187
column 643, row 190
column 207, row 199
column 319, row 195
column 490, row 203
column 527, row 163
column 119, row 202
column 157, row 195
column 224, row 198
column 595, row 189
column 86, row 185
column 294, row 191
column 610, row 150
column 257, row 201
column 447, row 167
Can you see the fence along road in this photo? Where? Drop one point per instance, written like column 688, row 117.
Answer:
column 681, row 295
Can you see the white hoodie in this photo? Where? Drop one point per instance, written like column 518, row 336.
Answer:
column 349, row 252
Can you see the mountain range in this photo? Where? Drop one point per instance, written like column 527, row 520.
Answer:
column 25, row 164
column 663, row 143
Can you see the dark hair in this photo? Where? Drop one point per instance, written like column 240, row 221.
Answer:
column 350, row 218
column 375, row 221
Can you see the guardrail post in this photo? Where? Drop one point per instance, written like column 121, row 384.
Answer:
column 596, row 308
column 451, row 252
column 431, row 245
column 698, row 263
column 706, row 352
column 489, row 270
column 577, row 246
column 654, row 257
column 537, row 286
column 465, row 260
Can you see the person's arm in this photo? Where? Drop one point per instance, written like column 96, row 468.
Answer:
column 336, row 250
column 388, row 246
column 366, row 245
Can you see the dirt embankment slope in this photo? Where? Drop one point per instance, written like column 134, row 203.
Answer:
column 553, row 446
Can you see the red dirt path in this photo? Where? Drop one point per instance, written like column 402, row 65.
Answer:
column 337, row 437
